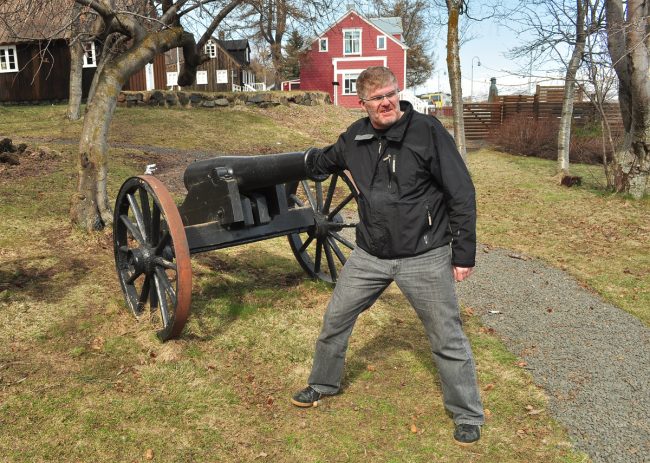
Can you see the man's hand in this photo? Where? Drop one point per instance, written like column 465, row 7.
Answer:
column 460, row 273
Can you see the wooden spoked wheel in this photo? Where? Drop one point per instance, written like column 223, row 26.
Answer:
column 324, row 248
column 152, row 256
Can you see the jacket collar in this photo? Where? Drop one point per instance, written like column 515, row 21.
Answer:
column 395, row 132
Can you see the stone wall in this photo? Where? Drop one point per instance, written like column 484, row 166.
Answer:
column 182, row 99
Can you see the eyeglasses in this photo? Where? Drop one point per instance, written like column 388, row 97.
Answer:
column 380, row 98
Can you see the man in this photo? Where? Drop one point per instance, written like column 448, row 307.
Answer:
column 417, row 227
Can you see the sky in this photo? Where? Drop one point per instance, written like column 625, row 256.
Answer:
column 489, row 48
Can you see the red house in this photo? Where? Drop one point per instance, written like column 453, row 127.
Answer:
column 335, row 58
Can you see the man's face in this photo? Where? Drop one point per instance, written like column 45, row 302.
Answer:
column 383, row 112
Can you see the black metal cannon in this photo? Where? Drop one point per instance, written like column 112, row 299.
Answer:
column 230, row 200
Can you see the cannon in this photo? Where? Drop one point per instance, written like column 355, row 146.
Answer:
column 231, row 200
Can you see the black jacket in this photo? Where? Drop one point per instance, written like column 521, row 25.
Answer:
column 415, row 193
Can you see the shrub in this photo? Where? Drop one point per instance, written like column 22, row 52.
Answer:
column 529, row 137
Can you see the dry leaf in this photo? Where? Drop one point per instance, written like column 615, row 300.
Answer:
column 414, row 428
column 488, row 387
column 535, row 412
column 469, row 311
column 371, row 368
column 487, row 412
column 521, row 364
column 529, row 407
column 148, row 455
column 97, row 343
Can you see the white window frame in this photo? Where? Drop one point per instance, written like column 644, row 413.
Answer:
column 5, row 51
column 384, row 39
column 90, row 52
column 352, row 31
column 348, row 84
column 322, row 41
column 210, row 48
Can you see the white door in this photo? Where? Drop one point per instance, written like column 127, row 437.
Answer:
column 148, row 72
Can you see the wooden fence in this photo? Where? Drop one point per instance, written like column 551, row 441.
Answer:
column 483, row 119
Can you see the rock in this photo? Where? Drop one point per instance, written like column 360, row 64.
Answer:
column 6, row 146
column 183, row 99
column 208, row 104
column 221, row 102
column 258, row 98
column 171, row 99
column 9, row 158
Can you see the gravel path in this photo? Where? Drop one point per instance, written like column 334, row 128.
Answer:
column 592, row 358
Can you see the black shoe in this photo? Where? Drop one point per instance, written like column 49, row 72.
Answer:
column 308, row 397
column 467, row 434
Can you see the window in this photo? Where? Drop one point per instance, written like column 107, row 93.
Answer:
column 210, row 49
column 322, row 45
column 350, row 84
column 172, row 79
column 8, row 59
column 90, row 59
column 352, row 41
column 381, row 42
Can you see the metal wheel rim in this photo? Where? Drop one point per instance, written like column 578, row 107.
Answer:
column 152, row 256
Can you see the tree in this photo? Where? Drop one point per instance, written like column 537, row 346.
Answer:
column 136, row 34
column 293, row 54
column 269, row 21
column 556, row 27
column 628, row 42
column 419, row 64
column 455, row 8
column 600, row 76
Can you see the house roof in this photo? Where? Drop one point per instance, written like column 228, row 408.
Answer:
column 231, row 45
column 391, row 25
column 236, row 49
column 233, row 48
column 385, row 25
column 21, row 22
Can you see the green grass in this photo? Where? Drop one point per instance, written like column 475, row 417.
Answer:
column 81, row 380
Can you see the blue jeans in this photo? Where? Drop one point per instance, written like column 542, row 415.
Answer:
column 428, row 284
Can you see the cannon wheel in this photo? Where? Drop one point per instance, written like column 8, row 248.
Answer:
column 323, row 249
column 151, row 255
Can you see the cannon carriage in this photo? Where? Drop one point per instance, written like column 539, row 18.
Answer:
column 231, row 200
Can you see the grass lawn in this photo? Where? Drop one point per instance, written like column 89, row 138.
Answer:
column 81, row 380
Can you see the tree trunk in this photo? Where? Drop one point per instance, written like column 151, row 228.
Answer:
column 90, row 205
column 76, row 73
column 564, row 132
column 453, row 68
column 629, row 47
column 277, row 59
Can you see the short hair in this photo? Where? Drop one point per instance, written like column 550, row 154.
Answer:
column 374, row 77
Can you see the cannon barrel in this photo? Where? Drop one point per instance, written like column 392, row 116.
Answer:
column 250, row 172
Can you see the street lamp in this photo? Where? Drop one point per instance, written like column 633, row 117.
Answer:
column 471, row 92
